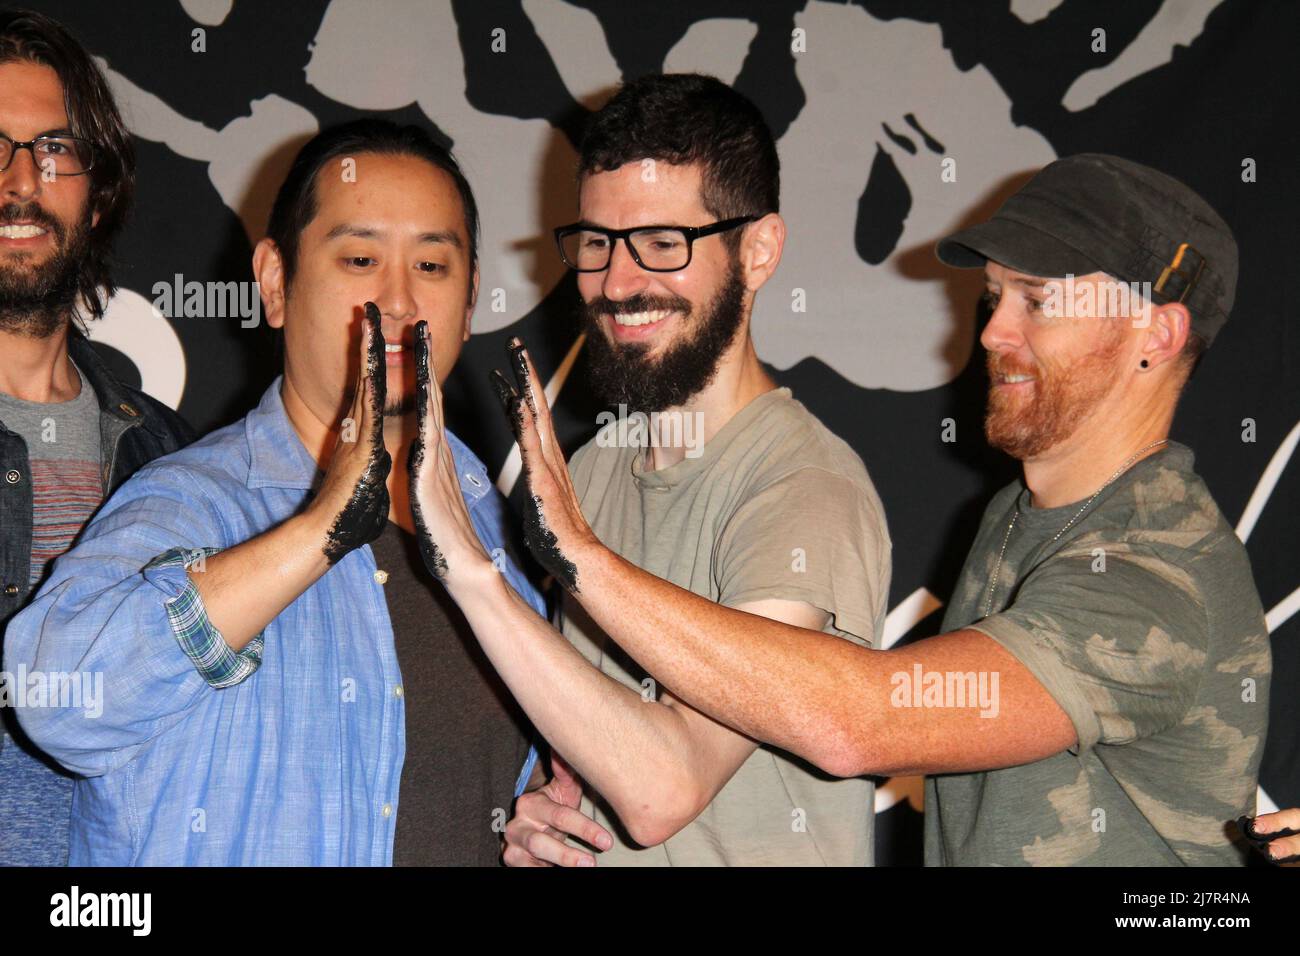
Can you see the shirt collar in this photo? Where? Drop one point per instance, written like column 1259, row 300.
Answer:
column 112, row 396
column 278, row 459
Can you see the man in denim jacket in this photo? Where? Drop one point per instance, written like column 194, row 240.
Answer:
column 70, row 433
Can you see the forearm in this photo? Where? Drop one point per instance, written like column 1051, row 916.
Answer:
column 636, row 753
column 807, row 692
column 105, row 624
column 834, row 703
column 244, row 588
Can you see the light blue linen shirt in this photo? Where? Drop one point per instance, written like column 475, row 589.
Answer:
column 297, row 764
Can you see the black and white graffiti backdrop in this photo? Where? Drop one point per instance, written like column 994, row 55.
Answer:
column 898, row 120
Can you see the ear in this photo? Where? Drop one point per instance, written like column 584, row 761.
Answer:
column 760, row 250
column 268, row 270
column 1171, row 323
column 473, row 301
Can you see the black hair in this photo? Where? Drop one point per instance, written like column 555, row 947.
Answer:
column 296, row 205
column 688, row 118
column 31, row 37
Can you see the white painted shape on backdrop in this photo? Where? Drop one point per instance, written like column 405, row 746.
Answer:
column 720, row 43
column 1031, row 11
column 874, row 325
column 247, row 158
column 132, row 326
column 210, row 13
column 591, row 75
column 1176, row 23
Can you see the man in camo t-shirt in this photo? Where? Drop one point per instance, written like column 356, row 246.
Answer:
column 1099, row 695
column 1143, row 623
column 1134, row 605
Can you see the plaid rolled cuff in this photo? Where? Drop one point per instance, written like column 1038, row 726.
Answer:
column 202, row 643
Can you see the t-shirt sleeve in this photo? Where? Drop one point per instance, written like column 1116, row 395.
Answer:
column 813, row 536
column 1115, row 633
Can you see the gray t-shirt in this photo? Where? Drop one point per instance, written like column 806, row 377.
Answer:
column 62, row 441
column 776, row 506
column 1143, row 623
column 67, row 484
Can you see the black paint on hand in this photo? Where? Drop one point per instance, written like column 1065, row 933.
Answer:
column 433, row 559
column 1260, row 841
column 363, row 518
column 538, row 536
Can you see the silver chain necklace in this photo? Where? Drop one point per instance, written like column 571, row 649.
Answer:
column 997, row 569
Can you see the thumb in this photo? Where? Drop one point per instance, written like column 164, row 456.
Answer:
column 567, row 782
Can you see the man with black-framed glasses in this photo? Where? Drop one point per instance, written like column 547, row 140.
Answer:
column 710, row 477
column 70, row 433
column 587, row 248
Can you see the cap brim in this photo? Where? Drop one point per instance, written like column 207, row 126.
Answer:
column 1015, row 245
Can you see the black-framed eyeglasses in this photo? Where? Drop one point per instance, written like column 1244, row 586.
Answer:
column 587, row 248
column 63, row 155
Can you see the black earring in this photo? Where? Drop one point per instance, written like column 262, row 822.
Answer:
column 1145, row 364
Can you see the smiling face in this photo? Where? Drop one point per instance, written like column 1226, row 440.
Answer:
column 656, row 338
column 396, row 237
column 1051, row 369
column 44, row 225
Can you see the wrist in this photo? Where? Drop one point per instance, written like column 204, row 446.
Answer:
column 309, row 530
column 589, row 557
column 470, row 574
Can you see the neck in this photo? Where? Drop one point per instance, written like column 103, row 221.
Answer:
column 739, row 380
column 38, row 369
column 1079, row 466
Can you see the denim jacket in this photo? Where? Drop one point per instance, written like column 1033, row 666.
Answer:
column 134, row 429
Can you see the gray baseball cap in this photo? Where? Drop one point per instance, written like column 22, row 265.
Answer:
column 1097, row 213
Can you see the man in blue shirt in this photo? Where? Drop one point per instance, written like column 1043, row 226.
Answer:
column 252, row 647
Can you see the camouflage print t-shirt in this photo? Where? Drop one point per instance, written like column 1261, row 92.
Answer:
column 1143, row 623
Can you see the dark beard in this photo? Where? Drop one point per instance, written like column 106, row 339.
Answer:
column 36, row 303
column 624, row 375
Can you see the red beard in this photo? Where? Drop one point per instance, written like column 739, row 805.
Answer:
column 1026, row 420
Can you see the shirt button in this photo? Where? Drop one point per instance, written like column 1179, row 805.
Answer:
column 388, row 810
column 397, row 691
column 381, row 577
column 13, row 476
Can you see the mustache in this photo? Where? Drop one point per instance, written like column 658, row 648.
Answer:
column 638, row 303
column 33, row 213
column 1004, row 365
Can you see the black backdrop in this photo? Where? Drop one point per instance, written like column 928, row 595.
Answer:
column 872, row 103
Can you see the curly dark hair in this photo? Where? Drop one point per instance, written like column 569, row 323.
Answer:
column 30, row 37
column 688, row 118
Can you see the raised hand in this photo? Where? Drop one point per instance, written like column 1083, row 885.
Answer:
column 543, row 819
column 446, row 536
column 554, row 528
column 354, row 491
